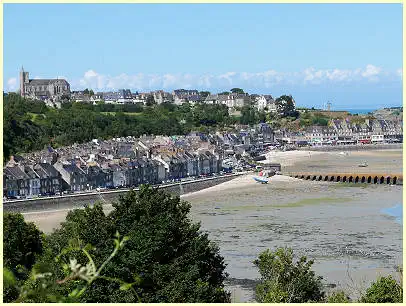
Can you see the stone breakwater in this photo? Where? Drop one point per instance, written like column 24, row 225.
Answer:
column 363, row 178
column 80, row 200
column 354, row 147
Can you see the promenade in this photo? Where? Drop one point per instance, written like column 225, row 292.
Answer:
column 356, row 147
column 78, row 200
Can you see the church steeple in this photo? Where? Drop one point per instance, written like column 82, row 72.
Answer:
column 24, row 79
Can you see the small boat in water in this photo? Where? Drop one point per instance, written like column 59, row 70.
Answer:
column 364, row 164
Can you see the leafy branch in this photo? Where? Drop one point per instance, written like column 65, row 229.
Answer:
column 89, row 273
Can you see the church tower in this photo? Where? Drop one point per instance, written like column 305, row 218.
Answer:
column 23, row 80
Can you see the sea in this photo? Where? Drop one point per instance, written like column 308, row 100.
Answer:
column 360, row 111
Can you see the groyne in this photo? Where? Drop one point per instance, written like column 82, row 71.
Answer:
column 79, row 200
column 365, row 178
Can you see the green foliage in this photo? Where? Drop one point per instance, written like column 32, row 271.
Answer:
column 209, row 114
column 22, row 245
column 150, row 100
column 81, row 122
column 384, row 290
column 41, row 287
column 204, row 94
column 166, row 257
column 250, row 115
column 338, row 297
column 286, row 281
column 237, row 91
column 286, row 107
column 20, row 132
column 320, row 121
column 22, row 242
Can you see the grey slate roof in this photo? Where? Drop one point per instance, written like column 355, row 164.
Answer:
column 49, row 169
column 15, row 173
column 39, row 82
column 30, row 172
column 42, row 174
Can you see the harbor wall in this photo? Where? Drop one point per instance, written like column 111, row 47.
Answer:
column 80, row 200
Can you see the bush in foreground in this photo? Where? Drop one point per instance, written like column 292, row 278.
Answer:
column 338, row 297
column 285, row 281
column 166, row 258
column 22, row 245
column 384, row 290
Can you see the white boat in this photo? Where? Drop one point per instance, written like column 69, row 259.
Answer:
column 364, row 164
column 261, row 180
column 263, row 176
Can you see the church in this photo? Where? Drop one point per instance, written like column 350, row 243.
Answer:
column 43, row 89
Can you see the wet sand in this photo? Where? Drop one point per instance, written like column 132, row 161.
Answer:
column 379, row 161
column 341, row 227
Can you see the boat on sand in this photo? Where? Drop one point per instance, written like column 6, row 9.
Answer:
column 264, row 176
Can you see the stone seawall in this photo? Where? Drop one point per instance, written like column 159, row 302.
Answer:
column 79, row 200
column 354, row 147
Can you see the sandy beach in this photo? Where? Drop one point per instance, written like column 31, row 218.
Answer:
column 238, row 183
column 289, row 158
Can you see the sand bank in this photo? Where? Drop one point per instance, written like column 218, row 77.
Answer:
column 238, row 183
column 288, row 158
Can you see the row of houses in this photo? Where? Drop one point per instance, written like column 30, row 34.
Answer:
column 178, row 97
column 127, row 162
column 346, row 132
column 22, row 180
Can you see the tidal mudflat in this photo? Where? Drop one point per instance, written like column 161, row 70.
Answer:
column 343, row 228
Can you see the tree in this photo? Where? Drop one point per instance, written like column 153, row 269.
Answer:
column 204, row 94
column 41, row 287
column 237, row 91
column 286, row 281
column 338, row 297
column 65, row 98
column 166, row 254
column 224, row 93
column 249, row 115
column 86, row 91
column 286, row 107
column 150, row 100
column 384, row 290
column 22, row 245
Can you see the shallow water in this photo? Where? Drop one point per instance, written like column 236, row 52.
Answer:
column 396, row 212
column 346, row 230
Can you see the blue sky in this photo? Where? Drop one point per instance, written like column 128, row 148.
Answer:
column 349, row 54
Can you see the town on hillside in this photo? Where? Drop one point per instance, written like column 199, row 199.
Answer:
column 130, row 161
column 124, row 162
